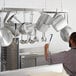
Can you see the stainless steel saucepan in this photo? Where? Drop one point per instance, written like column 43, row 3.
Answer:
column 43, row 22
column 59, row 22
column 65, row 33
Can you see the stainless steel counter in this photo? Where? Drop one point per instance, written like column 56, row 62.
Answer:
column 46, row 70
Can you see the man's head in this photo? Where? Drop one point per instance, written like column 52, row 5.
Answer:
column 72, row 40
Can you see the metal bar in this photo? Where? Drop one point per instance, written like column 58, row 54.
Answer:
column 35, row 62
column 28, row 10
column 6, row 16
column 20, row 61
column 53, row 12
column 19, row 9
column 10, row 18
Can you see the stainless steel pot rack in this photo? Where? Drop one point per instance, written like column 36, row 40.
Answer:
column 28, row 9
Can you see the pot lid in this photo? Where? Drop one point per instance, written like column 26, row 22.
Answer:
column 6, row 37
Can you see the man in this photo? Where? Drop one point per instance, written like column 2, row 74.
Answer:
column 68, row 58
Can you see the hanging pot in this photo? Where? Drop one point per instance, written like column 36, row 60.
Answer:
column 65, row 33
column 6, row 37
column 26, row 28
column 43, row 22
column 59, row 22
column 15, row 31
column 22, row 29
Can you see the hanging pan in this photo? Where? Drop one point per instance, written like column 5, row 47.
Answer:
column 43, row 22
column 6, row 37
column 65, row 33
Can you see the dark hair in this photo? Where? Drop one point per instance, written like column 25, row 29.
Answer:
column 73, row 37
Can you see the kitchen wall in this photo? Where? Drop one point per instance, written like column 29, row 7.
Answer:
column 57, row 43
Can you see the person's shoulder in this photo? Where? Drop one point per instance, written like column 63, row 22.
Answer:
column 68, row 51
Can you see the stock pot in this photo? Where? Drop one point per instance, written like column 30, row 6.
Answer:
column 43, row 22
column 65, row 33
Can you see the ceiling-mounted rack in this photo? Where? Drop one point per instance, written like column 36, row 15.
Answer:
column 56, row 19
column 18, row 9
column 54, row 12
column 28, row 10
